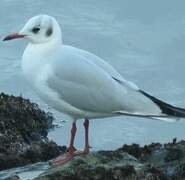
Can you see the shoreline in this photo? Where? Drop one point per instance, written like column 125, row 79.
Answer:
column 23, row 141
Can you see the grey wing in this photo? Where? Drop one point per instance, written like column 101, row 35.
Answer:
column 104, row 65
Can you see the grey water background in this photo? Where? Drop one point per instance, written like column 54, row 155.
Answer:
column 144, row 40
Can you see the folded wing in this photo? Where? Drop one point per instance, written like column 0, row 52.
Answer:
column 91, row 85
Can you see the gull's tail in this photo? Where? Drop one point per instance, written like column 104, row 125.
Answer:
column 169, row 110
column 168, row 113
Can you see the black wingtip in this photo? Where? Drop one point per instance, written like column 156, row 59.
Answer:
column 165, row 107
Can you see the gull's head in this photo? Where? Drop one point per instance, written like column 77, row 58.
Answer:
column 39, row 29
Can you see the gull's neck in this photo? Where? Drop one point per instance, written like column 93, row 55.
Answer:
column 46, row 47
column 36, row 56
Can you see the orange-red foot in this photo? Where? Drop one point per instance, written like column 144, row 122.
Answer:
column 65, row 158
column 62, row 159
column 84, row 152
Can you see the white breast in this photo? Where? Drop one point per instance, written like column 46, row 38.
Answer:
column 36, row 70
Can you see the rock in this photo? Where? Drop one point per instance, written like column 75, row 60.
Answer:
column 102, row 165
column 131, row 162
column 23, row 133
column 168, row 158
column 13, row 177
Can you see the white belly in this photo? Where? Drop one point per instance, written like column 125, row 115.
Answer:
column 55, row 101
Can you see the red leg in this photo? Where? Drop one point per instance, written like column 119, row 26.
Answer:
column 86, row 126
column 71, row 148
column 62, row 159
column 70, row 154
column 87, row 146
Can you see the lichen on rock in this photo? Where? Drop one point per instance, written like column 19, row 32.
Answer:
column 130, row 162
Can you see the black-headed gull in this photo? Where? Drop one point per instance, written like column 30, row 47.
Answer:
column 79, row 83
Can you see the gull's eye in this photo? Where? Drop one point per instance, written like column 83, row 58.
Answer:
column 35, row 30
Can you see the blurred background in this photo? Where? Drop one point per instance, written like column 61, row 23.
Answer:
column 144, row 40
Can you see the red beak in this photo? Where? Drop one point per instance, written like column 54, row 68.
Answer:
column 13, row 36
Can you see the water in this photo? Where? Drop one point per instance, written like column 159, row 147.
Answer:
column 143, row 40
column 25, row 173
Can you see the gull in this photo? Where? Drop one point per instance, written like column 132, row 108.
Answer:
column 80, row 84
